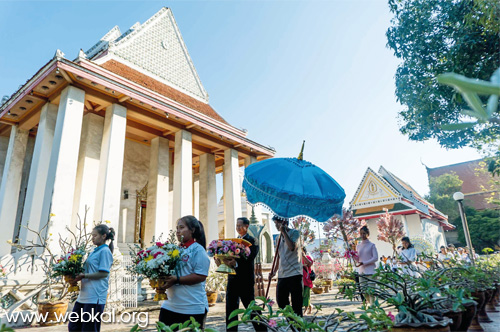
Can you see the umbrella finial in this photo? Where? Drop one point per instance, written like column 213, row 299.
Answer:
column 301, row 154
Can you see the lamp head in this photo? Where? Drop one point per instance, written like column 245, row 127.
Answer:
column 458, row 196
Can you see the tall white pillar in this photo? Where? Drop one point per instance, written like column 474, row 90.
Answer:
column 11, row 183
column 183, row 175
column 88, row 171
column 196, row 195
column 157, row 217
column 4, row 145
column 208, row 196
column 257, row 209
column 232, row 192
column 109, row 184
column 60, row 188
column 39, row 170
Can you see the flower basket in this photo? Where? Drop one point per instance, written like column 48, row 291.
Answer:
column 230, row 248
column 73, row 284
column 52, row 310
column 223, row 268
column 160, row 286
column 317, row 290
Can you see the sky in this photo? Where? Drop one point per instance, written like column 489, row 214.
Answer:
column 286, row 71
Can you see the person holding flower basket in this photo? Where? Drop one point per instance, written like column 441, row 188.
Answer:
column 186, row 289
column 94, row 281
column 69, row 266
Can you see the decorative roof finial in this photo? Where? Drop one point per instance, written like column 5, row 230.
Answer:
column 301, row 154
column 59, row 54
column 82, row 55
column 253, row 218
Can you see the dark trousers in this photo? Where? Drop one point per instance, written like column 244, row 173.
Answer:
column 290, row 286
column 168, row 317
column 89, row 310
column 238, row 290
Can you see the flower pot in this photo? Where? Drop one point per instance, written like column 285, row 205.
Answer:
column 52, row 310
column 212, row 297
column 483, row 316
column 456, row 317
column 317, row 290
column 479, row 298
column 329, row 282
column 467, row 316
column 325, row 289
column 160, row 286
column 441, row 325
column 490, row 304
column 73, row 284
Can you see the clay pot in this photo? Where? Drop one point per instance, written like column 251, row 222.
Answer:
column 467, row 316
column 160, row 286
column 456, row 317
column 317, row 290
column 329, row 282
column 490, row 305
column 441, row 326
column 479, row 298
column 325, row 289
column 483, row 316
column 52, row 310
column 212, row 297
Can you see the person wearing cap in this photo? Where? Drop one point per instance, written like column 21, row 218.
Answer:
column 289, row 267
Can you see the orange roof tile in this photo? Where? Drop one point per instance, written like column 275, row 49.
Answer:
column 161, row 88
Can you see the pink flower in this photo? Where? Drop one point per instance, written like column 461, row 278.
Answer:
column 391, row 316
column 159, row 244
column 237, row 251
column 273, row 323
column 219, row 244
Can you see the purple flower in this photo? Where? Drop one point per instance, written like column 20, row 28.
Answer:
column 225, row 249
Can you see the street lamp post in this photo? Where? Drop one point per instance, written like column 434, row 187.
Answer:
column 459, row 197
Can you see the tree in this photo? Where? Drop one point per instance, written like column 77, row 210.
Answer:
column 390, row 229
column 433, row 37
column 441, row 190
column 484, row 228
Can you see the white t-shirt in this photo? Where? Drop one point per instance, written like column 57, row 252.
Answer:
column 290, row 261
column 190, row 299
column 95, row 291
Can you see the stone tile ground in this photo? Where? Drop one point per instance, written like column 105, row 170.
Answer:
column 216, row 316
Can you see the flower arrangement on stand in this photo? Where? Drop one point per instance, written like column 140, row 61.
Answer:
column 235, row 248
column 156, row 263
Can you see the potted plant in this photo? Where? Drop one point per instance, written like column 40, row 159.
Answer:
column 215, row 283
column 318, row 286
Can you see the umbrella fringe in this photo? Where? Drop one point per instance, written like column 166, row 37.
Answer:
column 310, row 219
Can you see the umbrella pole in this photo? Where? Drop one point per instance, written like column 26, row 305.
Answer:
column 274, row 265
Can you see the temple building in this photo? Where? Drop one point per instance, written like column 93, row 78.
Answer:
column 381, row 191
column 124, row 133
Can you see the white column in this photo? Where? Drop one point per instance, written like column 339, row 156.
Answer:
column 157, row 217
column 257, row 210
column 109, row 184
column 405, row 224
column 4, row 145
column 39, row 170
column 9, row 188
column 208, row 196
column 183, row 175
column 61, row 176
column 196, row 195
column 87, row 171
column 232, row 192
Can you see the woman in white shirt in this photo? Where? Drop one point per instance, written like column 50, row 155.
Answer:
column 443, row 255
column 407, row 257
column 186, row 290
column 367, row 256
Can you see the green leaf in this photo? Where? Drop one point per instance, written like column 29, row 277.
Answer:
column 458, row 126
column 236, row 313
column 492, row 105
column 236, row 322
column 256, row 308
column 473, row 100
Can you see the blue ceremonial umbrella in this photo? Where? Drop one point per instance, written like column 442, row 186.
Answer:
column 293, row 187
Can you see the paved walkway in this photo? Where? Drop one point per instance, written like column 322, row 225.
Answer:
column 216, row 316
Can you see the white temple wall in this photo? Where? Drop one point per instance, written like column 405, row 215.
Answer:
column 135, row 176
column 433, row 233
column 4, row 144
column 414, row 225
column 383, row 248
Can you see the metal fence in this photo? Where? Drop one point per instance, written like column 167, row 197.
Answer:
column 129, row 285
